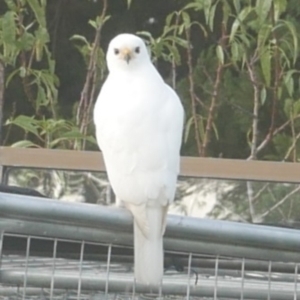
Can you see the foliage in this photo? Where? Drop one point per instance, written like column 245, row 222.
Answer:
column 235, row 65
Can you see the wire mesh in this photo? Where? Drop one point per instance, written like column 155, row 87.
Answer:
column 33, row 267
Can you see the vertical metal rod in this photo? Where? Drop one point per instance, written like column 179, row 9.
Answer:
column 296, row 282
column 189, row 277
column 1, row 246
column 160, row 291
column 80, row 270
column 5, row 175
column 269, row 280
column 216, row 278
column 107, row 270
column 1, row 173
column 243, row 278
column 133, row 288
column 26, row 267
column 53, row 269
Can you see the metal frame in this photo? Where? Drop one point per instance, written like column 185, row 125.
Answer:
column 190, row 166
column 183, row 234
column 213, row 259
column 219, row 259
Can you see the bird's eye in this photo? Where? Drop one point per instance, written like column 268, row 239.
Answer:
column 116, row 51
column 137, row 50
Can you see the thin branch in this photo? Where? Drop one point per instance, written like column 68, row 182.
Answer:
column 192, row 91
column 268, row 138
column 257, row 195
column 277, row 76
column 1, row 99
column 173, row 63
column 87, row 94
column 250, row 195
column 23, row 57
column 292, row 147
column 213, row 102
column 294, row 191
column 256, row 106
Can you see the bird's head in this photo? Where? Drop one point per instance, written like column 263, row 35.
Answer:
column 126, row 51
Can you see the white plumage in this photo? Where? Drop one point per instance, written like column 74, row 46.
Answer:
column 139, row 123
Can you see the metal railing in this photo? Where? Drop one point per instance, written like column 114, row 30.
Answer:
column 57, row 250
column 190, row 166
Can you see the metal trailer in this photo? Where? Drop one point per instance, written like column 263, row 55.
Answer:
column 59, row 250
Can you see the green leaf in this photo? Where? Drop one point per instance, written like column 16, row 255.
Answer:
column 294, row 35
column 23, row 72
column 198, row 5
column 129, row 3
column 11, row 5
column 220, row 54
column 25, row 144
column 288, row 106
column 41, row 97
column 279, row 8
column 26, row 41
column 263, row 35
column 296, row 108
column 211, row 18
column 9, row 28
column 39, row 12
column 186, row 19
column 238, row 21
column 235, row 53
column 289, row 81
column 265, row 63
column 11, row 76
column 28, row 124
column 263, row 8
column 263, row 96
column 188, row 125
column 237, row 5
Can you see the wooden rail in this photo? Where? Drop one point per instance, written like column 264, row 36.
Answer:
column 190, row 166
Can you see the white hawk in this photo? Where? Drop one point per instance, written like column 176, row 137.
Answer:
column 139, row 124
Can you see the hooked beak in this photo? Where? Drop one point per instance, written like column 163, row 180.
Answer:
column 126, row 54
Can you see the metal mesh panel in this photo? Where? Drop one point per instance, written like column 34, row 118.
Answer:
column 45, row 268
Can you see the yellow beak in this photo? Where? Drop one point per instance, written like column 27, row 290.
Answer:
column 126, row 54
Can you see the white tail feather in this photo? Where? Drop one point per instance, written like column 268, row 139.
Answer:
column 148, row 248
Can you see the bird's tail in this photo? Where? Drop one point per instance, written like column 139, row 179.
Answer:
column 148, row 247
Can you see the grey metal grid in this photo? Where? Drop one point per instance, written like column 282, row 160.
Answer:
column 72, row 269
column 55, row 250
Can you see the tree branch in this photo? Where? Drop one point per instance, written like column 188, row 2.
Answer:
column 88, row 91
column 192, row 91
column 213, row 102
column 1, row 99
column 292, row 148
column 256, row 106
column 294, row 191
column 268, row 138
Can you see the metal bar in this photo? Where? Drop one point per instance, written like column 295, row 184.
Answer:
column 53, row 268
column 242, row 279
column 80, row 270
column 189, row 277
column 296, row 282
column 216, row 279
column 1, row 245
column 107, row 269
column 178, row 227
column 269, row 280
column 26, row 268
column 92, row 234
column 190, row 166
column 227, row 288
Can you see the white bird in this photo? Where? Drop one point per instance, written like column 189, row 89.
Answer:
column 139, row 124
